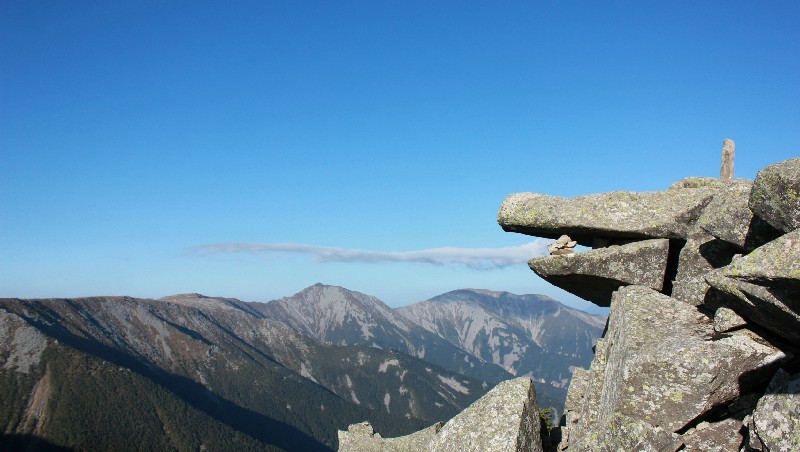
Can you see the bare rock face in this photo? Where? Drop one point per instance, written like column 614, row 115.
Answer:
column 776, row 419
column 661, row 364
column 505, row 419
column 776, row 195
column 700, row 254
column 728, row 217
column 722, row 436
column 764, row 286
column 626, row 215
column 594, row 275
column 704, row 286
column 726, row 319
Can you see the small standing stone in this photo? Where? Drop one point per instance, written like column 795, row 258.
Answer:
column 728, row 151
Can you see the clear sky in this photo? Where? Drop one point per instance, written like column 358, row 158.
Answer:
column 250, row 149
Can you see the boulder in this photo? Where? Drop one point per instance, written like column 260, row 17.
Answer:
column 505, row 419
column 776, row 195
column 722, row 436
column 625, row 433
column 728, row 217
column 764, row 286
column 661, row 363
column 776, row 419
column 700, row 254
column 362, row 438
column 726, row 319
column 594, row 275
column 621, row 214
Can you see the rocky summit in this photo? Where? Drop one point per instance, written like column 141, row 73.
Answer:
column 701, row 351
column 703, row 279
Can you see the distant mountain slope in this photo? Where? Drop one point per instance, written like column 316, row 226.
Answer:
column 196, row 372
column 340, row 316
column 525, row 334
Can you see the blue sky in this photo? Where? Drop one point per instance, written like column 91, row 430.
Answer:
column 250, row 149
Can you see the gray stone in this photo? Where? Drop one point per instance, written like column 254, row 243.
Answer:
column 595, row 274
column 626, row 215
column 776, row 195
column 776, row 419
column 505, row 419
column 564, row 245
column 728, row 153
column 572, row 406
column 722, row 436
column 764, row 286
column 362, row 438
column 625, row 433
column 701, row 254
column 661, row 363
column 728, row 217
column 726, row 319
column 696, row 182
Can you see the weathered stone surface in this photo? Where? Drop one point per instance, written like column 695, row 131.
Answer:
column 661, row 363
column 362, row 438
column 723, row 436
column 595, row 274
column 726, row 169
column 728, row 217
column 726, row 319
column 764, row 286
column 696, row 182
column 776, row 419
column 505, row 419
column 624, row 433
column 701, row 254
column 776, row 195
column 572, row 406
column 664, row 214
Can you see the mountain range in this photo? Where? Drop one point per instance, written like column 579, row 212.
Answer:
column 121, row 373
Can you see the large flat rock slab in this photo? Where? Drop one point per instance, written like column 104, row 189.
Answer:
column 614, row 215
column 595, row 274
column 776, row 195
column 764, row 286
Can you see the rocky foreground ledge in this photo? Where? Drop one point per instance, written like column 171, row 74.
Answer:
column 702, row 346
column 506, row 419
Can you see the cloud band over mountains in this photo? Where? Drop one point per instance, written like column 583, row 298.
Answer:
column 475, row 258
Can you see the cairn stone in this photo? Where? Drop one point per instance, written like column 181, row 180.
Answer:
column 564, row 245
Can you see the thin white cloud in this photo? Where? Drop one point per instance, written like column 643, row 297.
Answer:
column 475, row 258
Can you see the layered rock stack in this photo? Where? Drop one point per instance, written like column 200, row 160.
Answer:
column 702, row 346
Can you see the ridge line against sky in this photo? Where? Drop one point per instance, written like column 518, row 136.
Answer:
column 474, row 258
column 132, row 131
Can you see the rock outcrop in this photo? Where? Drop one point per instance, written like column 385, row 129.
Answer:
column 702, row 347
column 703, row 280
column 505, row 419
